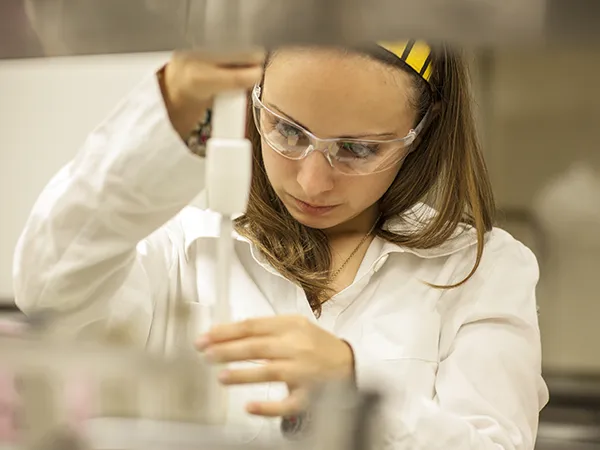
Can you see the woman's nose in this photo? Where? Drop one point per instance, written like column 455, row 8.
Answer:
column 315, row 174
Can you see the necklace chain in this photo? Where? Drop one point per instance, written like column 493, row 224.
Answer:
column 360, row 244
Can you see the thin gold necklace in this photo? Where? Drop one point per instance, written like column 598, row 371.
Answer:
column 360, row 244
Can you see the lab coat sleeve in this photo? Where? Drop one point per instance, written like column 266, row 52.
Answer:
column 94, row 248
column 488, row 388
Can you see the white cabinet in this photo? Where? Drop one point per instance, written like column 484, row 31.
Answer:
column 47, row 107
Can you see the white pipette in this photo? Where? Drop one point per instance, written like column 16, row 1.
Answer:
column 228, row 178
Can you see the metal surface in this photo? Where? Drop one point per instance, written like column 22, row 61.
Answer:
column 74, row 27
column 575, row 392
column 571, row 420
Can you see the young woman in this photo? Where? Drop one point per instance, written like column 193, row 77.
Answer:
column 367, row 246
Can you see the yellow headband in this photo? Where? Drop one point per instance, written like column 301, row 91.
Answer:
column 417, row 54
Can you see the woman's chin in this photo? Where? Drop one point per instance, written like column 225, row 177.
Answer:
column 319, row 222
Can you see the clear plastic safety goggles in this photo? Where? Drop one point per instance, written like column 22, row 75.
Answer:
column 349, row 156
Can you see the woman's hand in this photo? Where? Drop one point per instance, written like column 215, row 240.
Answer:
column 294, row 351
column 191, row 80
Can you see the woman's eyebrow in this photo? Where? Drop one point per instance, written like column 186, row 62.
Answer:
column 287, row 116
column 361, row 136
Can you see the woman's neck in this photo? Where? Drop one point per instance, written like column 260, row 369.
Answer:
column 358, row 225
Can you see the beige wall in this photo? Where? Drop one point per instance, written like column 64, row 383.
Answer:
column 544, row 119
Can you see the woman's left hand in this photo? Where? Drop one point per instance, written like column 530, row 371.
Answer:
column 294, row 350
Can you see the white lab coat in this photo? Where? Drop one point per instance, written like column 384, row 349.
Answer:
column 112, row 244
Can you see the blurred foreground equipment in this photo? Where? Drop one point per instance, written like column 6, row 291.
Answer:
column 77, row 27
column 56, row 393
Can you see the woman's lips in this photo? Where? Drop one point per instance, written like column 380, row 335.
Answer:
column 313, row 210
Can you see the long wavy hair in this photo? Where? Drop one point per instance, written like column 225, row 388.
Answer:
column 444, row 170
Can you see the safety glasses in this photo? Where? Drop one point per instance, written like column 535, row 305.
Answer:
column 349, row 156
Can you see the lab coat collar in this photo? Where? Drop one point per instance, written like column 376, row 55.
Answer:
column 203, row 224
column 416, row 219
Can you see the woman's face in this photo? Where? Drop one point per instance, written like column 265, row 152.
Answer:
column 334, row 94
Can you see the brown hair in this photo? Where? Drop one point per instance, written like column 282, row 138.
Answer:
column 445, row 170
